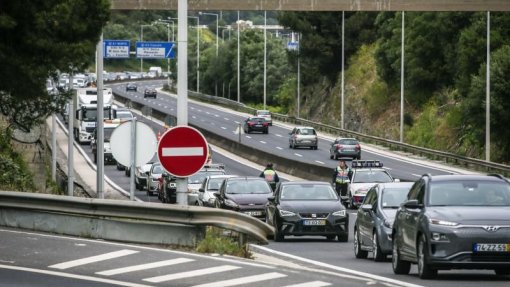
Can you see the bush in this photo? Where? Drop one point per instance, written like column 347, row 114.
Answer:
column 216, row 242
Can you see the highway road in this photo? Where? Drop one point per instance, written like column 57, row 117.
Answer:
column 311, row 252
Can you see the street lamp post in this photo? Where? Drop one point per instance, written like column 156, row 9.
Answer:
column 238, row 62
column 141, row 40
column 265, row 57
column 217, row 37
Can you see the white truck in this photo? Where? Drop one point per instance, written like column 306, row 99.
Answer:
column 155, row 72
column 85, row 109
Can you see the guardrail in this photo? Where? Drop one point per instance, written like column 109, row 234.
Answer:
column 132, row 221
column 467, row 162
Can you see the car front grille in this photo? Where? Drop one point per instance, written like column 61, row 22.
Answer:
column 90, row 129
column 314, row 215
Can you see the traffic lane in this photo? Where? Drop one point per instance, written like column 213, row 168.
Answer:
column 14, row 276
column 212, row 119
column 123, row 264
column 342, row 255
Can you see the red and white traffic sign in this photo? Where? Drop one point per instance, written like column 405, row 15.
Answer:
column 182, row 151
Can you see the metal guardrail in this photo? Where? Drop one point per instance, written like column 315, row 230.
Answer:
column 141, row 212
column 468, row 162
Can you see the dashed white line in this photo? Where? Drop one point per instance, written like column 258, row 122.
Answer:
column 280, row 148
column 248, row 137
column 93, row 259
column 194, row 117
column 298, row 154
column 224, row 128
column 227, row 119
column 208, row 113
column 237, row 122
column 190, row 274
column 166, row 107
column 320, row 162
column 417, row 175
column 144, row 266
column 263, row 142
column 217, row 116
column 278, row 135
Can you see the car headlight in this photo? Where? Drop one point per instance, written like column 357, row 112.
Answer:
column 339, row 213
column 442, row 222
column 231, row 203
column 286, row 213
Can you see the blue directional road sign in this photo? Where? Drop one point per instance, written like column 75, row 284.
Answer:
column 116, row 49
column 155, row 50
column 292, row 46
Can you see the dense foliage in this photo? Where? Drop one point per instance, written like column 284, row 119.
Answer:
column 37, row 39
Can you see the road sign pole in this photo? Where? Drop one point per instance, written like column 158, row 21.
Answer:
column 133, row 160
column 182, row 85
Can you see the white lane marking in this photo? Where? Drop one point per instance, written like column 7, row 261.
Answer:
column 358, row 274
column 223, row 128
column 263, row 142
column 278, row 135
column 298, row 154
column 92, row 259
column 190, row 274
column 217, row 116
column 227, row 119
column 237, row 122
column 182, row 151
column 319, row 162
column 159, row 105
column 208, row 113
column 310, row 284
column 417, row 175
column 280, row 148
column 166, row 107
column 144, row 266
column 244, row 280
column 199, row 110
column 192, row 108
column 74, row 276
column 248, row 137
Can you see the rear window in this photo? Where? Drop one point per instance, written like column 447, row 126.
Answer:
column 348, row 142
column 307, row 131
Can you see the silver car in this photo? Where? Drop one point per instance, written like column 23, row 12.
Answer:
column 374, row 220
column 303, row 137
column 210, row 185
column 153, row 177
column 453, row 222
column 195, row 181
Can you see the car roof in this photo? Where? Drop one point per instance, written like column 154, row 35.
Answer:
column 245, row 178
column 341, row 138
column 300, row 182
column 222, row 176
column 303, row 127
column 396, row 184
column 463, row 177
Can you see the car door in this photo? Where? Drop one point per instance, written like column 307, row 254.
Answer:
column 272, row 207
column 365, row 218
column 408, row 219
column 332, row 148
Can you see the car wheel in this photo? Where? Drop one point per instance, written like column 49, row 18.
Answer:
column 425, row 271
column 278, row 235
column 336, row 156
column 331, row 156
column 399, row 266
column 330, row 237
column 358, row 252
column 502, row 272
column 290, row 145
column 376, row 249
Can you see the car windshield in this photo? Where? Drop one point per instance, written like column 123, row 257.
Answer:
column 157, row 169
column 469, row 193
column 247, row 187
column 393, row 197
column 307, row 192
column 371, row 176
column 308, row 132
column 348, row 142
column 201, row 175
column 215, row 183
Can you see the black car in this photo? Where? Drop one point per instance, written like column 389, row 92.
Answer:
column 248, row 195
column 256, row 124
column 307, row 208
column 131, row 87
column 150, row 93
column 453, row 222
column 374, row 220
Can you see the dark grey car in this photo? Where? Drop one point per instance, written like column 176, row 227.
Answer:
column 454, row 222
column 345, row 147
column 372, row 229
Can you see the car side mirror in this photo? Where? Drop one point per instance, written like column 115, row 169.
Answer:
column 412, row 204
column 366, row 207
column 147, row 173
column 217, row 194
column 200, row 190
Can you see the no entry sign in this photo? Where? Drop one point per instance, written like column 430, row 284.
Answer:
column 182, row 151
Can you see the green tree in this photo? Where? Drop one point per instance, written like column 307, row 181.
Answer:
column 39, row 38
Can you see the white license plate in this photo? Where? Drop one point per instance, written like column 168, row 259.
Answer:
column 258, row 126
column 314, row 222
column 491, row 247
column 253, row 213
column 173, row 184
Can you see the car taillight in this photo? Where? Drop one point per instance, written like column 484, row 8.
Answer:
column 358, row 147
column 266, row 124
column 339, row 147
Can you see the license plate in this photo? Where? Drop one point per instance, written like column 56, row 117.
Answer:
column 314, row 222
column 258, row 126
column 491, row 247
column 253, row 213
column 173, row 184
column 348, row 149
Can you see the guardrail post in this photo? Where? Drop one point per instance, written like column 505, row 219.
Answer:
column 239, row 129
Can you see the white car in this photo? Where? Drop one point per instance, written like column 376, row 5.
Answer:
column 266, row 115
column 365, row 174
column 195, row 181
column 210, row 185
